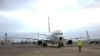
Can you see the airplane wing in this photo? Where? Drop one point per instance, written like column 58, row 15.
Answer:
column 40, row 34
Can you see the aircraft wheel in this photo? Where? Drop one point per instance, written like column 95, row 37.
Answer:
column 59, row 45
column 44, row 45
column 91, row 42
column 62, row 45
column 97, row 42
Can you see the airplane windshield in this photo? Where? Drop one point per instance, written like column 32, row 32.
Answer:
column 58, row 33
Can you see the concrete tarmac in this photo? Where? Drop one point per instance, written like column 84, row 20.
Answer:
column 35, row 50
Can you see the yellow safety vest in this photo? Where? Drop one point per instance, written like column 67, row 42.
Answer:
column 79, row 43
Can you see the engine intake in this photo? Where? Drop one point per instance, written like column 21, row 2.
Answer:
column 39, row 42
column 69, row 42
column 60, row 38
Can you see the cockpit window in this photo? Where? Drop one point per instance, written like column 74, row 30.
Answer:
column 58, row 33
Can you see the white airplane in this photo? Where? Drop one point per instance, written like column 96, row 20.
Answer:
column 94, row 40
column 91, row 39
column 55, row 37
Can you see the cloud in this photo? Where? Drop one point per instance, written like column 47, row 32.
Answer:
column 12, row 25
column 28, row 17
column 7, row 25
column 81, row 4
column 47, row 6
column 93, row 30
column 94, row 4
column 16, row 4
column 68, row 19
column 73, row 17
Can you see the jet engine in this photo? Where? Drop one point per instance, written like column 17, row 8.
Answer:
column 69, row 42
column 40, row 42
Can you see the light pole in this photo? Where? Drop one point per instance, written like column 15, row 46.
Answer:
column 6, row 37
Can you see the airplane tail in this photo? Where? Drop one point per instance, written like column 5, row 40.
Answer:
column 87, row 35
column 49, row 25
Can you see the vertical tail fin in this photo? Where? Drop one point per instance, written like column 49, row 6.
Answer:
column 49, row 25
column 87, row 35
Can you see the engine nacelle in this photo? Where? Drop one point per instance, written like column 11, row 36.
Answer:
column 69, row 42
column 40, row 42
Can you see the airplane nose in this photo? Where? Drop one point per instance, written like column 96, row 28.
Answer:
column 60, row 38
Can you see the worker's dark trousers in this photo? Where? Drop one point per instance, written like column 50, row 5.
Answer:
column 79, row 47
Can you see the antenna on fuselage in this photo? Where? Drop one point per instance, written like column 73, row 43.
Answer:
column 49, row 25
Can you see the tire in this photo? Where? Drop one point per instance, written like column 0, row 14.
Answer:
column 62, row 45
column 44, row 45
column 59, row 45
column 97, row 42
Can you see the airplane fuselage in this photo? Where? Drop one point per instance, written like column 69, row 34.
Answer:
column 94, row 40
column 56, row 36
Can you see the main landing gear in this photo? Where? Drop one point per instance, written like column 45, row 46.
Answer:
column 44, row 44
column 60, row 45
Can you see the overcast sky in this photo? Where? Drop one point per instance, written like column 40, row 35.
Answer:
column 68, row 16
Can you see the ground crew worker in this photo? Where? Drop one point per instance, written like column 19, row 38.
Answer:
column 79, row 43
column 2, row 43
